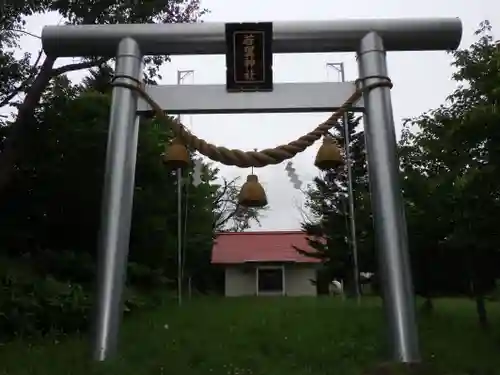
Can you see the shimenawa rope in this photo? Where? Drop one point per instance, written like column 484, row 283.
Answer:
column 257, row 159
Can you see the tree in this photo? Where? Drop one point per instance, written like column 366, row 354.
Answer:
column 28, row 81
column 229, row 215
column 51, row 210
column 213, row 206
column 51, row 214
column 327, row 224
column 456, row 150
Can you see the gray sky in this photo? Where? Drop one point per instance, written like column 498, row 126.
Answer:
column 421, row 81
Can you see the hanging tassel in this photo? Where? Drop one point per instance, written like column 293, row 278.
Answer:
column 292, row 174
column 198, row 172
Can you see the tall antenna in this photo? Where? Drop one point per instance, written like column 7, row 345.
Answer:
column 181, row 75
column 339, row 68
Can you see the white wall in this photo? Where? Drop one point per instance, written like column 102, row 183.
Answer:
column 298, row 280
column 241, row 281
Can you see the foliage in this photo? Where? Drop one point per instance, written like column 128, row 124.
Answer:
column 51, row 211
column 267, row 336
column 450, row 161
column 229, row 215
column 22, row 84
column 16, row 73
column 327, row 224
column 51, row 175
column 34, row 305
column 51, row 214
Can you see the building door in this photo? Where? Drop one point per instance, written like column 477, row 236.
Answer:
column 270, row 281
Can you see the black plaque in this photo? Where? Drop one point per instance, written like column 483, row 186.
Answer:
column 249, row 57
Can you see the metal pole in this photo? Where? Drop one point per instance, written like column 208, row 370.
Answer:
column 184, row 235
column 347, row 142
column 181, row 74
column 352, row 219
column 179, row 219
column 209, row 38
column 179, row 235
column 387, row 203
column 119, row 179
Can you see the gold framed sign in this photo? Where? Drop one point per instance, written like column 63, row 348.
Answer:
column 249, row 57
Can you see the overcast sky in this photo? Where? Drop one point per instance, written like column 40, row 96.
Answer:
column 421, row 80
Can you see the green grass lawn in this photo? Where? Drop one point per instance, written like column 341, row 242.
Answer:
column 268, row 336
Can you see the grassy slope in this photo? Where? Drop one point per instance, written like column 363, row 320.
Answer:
column 267, row 336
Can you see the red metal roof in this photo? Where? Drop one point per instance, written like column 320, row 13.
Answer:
column 242, row 247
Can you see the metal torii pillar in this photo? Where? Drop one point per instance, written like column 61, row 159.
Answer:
column 369, row 38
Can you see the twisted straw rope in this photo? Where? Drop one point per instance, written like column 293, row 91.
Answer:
column 257, row 159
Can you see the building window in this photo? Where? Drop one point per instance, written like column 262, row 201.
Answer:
column 270, row 280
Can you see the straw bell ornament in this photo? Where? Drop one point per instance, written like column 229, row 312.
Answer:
column 328, row 156
column 176, row 155
column 252, row 193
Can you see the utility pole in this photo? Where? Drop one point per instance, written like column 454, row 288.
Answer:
column 339, row 67
column 181, row 75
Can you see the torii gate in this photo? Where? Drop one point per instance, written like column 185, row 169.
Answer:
column 369, row 38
